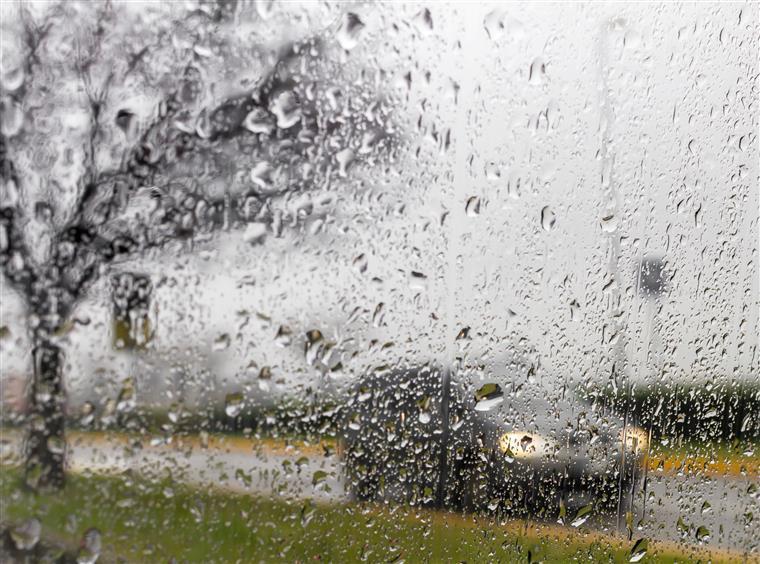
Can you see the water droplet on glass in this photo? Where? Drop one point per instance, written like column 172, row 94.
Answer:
column 262, row 175
column 349, row 31
column 11, row 116
column 639, row 550
column 26, row 535
column 286, row 108
column 360, row 263
column 222, row 342
column 548, row 218
column 537, row 71
column 233, row 404
column 423, row 21
column 492, row 171
column 488, row 396
column 126, row 121
column 319, row 477
column 127, row 400
column 87, row 414
column 255, row 232
column 583, row 514
column 264, row 8
column 259, row 121
column 90, row 547
column 13, row 78
column 56, row 445
column 284, row 336
column 609, row 223
column 494, row 24
column 43, row 211
column 344, row 158
column 472, row 207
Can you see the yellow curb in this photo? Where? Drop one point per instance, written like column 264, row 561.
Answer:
column 671, row 464
column 695, row 464
column 222, row 443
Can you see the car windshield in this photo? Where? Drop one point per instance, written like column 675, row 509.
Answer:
column 403, row 282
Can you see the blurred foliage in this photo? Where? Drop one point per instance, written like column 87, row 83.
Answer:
column 161, row 521
column 691, row 413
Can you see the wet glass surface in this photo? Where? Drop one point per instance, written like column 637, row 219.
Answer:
column 385, row 282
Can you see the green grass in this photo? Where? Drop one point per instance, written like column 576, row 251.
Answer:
column 148, row 522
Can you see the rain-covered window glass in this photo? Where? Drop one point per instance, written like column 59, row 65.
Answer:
column 398, row 282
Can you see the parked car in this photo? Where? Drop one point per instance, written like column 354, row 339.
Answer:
column 417, row 435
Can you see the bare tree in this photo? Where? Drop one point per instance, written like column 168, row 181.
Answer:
column 214, row 154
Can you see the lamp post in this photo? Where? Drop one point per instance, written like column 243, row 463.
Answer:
column 651, row 284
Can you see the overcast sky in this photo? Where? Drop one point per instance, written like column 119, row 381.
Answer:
column 577, row 133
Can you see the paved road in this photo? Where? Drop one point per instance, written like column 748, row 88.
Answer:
column 719, row 505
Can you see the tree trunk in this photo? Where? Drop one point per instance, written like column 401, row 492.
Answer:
column 46, row 444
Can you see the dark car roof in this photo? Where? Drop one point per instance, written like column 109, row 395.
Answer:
column 514, row 404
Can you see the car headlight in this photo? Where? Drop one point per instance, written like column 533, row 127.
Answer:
column 635, row 439
column 524, row 445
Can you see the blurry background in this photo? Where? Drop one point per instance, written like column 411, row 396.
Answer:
column 547, row 151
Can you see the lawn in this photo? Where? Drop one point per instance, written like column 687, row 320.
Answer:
column 143, row 521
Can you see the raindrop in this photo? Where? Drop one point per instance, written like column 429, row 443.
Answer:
column 126, row 401
column 90, row 547
column 488, row 396
column 548, row 218
column 537, row 72
column 126, row 121
column 494, row 24
column 706, row 507
column 492, row 171
column 222, row 342
column 11, row 116
column 264, row 8
column 26, row 535
column 344, row 158
column 56, row 445
column 464, row 333
column 87, row 414
column 360, row 263
column 423, row 21
column 377, row 316
column 639, row 550
column 583, row 514
column 13, row 78
column 318, row 478
column 609, row 223
column 284, row 336
column 43, row 211
column 259, row 121
column 233, row 404
column 424, row 405
column 682, row 527
column 255, row 232
column 286, row 108
column 349, row 31
column 472, row 207
column 307, row 512
column 261, row 174
column 703, row 534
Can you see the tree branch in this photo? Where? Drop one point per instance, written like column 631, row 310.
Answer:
column 98, row 234
column 15, row 258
